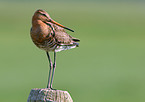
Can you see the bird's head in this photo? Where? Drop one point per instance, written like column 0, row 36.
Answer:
column 44, row 17
column 41, row 15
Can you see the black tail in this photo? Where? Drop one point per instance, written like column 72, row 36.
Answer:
column 77, row 40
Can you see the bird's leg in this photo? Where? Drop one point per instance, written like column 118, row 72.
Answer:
column 50, row 71
column 54, row 65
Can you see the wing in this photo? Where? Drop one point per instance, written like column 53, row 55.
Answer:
column 63, row 38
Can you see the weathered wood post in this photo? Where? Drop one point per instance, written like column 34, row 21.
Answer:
column 48, row 95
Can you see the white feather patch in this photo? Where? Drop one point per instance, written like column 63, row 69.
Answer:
column 60, row 48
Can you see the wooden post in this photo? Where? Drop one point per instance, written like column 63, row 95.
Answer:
column 48, row 95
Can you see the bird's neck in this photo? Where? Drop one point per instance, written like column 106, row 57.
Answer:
column 37, row 22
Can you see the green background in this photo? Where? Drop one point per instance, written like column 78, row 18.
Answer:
column 109, row 65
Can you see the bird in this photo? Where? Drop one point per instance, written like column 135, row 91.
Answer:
column 50, row 36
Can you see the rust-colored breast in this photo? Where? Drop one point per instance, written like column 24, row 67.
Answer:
column 42, row 36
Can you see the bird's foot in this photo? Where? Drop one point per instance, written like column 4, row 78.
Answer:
column 53, row 88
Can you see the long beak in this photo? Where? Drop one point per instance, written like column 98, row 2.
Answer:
column 52, row 21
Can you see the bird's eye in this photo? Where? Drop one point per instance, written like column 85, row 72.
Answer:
column 44, row 14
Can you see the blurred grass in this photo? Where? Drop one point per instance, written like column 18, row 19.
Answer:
column 107, row 67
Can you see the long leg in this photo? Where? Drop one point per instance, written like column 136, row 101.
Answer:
column 50, row 71
column 54, row 66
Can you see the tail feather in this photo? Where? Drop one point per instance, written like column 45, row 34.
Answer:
column 77, row 40
column 77, row 44
column 74, row 39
